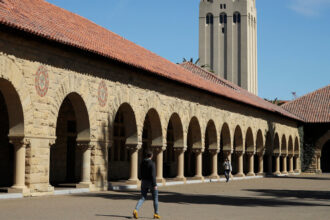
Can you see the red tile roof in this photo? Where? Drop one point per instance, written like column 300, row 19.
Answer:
column 313, row 107
column 45, row 20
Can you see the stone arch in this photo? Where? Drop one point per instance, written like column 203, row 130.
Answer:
column 260, row 142
column 72, row 135
column 14, row 109
column 225, row 147
column 276, row 146
column 72, row 85
column 260, row 150
column 238, row 139
column 284, row 146
column 225, row 138
column 12, row 79
column 177, row 130
column 323, row 152
column 174, row 140
column 194, row 138
column 129, row 120
column 124, row 136
column 249, row 142
column 211, row 135
column 211, row 143
column 153, row 118
column 194, row 142
column 11, row 132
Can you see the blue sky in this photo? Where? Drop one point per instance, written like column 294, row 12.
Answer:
column 293, row 36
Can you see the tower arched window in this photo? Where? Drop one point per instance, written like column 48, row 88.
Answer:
column 223, row 18
column 209, row 19
column 237, row 18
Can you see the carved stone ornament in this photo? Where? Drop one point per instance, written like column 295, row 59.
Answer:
column 42, row 81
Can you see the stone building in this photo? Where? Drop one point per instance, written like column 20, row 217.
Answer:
column 79, row 105
column 228, row 40
column 314, row 110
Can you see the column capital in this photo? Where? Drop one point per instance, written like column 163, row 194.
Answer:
column 260, row 154
column 19, row 141
column 134, row 147
column 179, row 149
column 249, row 153
column 158, row 149
column 284, row 155
column 239, row 153
column 290, row 156
column 227, row 152
column 276, row 154
column 214, row 151
column 85, row 145
column 197, row 150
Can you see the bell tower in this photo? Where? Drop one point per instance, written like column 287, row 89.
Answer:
column 228, row 40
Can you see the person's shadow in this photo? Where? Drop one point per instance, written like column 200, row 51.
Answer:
column 120, row 216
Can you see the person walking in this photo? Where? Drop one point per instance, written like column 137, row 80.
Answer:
column 228, row 168
column 148, row 174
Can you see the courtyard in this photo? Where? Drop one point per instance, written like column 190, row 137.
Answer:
column 295, row 197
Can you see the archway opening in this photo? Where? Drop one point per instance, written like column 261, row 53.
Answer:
column 194, row 141
column 174, row 140
column 225, row 145
column 249, row 149
column 276, row 152
column 284, row 153
column 259, row 152
column 268, row 154
column 6, row 149
column 72, row 129
column 210, row 144
column 238, row 149
column 151, row 136
column 124, row 133
column 11, row 127
column 170, row 163
column 325, row 157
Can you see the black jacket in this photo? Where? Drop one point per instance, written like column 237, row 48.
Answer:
column 148, row 171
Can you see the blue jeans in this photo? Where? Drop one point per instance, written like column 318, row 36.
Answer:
column 227, row 174
column 145, row 187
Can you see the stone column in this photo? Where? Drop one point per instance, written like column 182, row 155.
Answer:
column 291, row 164
column 277, row 164
column 134, row 155
column 261, row 163
column 180, row 158
column 214, row 174
column 198, row 153
column 251, row 163
column 240, row 164
column 284, row 163
column 159, row 164
column 86, row 165
column 20, row 145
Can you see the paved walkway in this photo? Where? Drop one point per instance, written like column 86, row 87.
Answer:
column 299, row 197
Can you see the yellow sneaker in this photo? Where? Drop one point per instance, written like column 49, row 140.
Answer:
column 135, row 214
column 156, row 216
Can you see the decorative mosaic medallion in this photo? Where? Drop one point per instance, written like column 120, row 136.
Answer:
column 42, row 81
column 102, row 94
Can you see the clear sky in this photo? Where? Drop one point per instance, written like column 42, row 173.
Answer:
column 293, row 36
